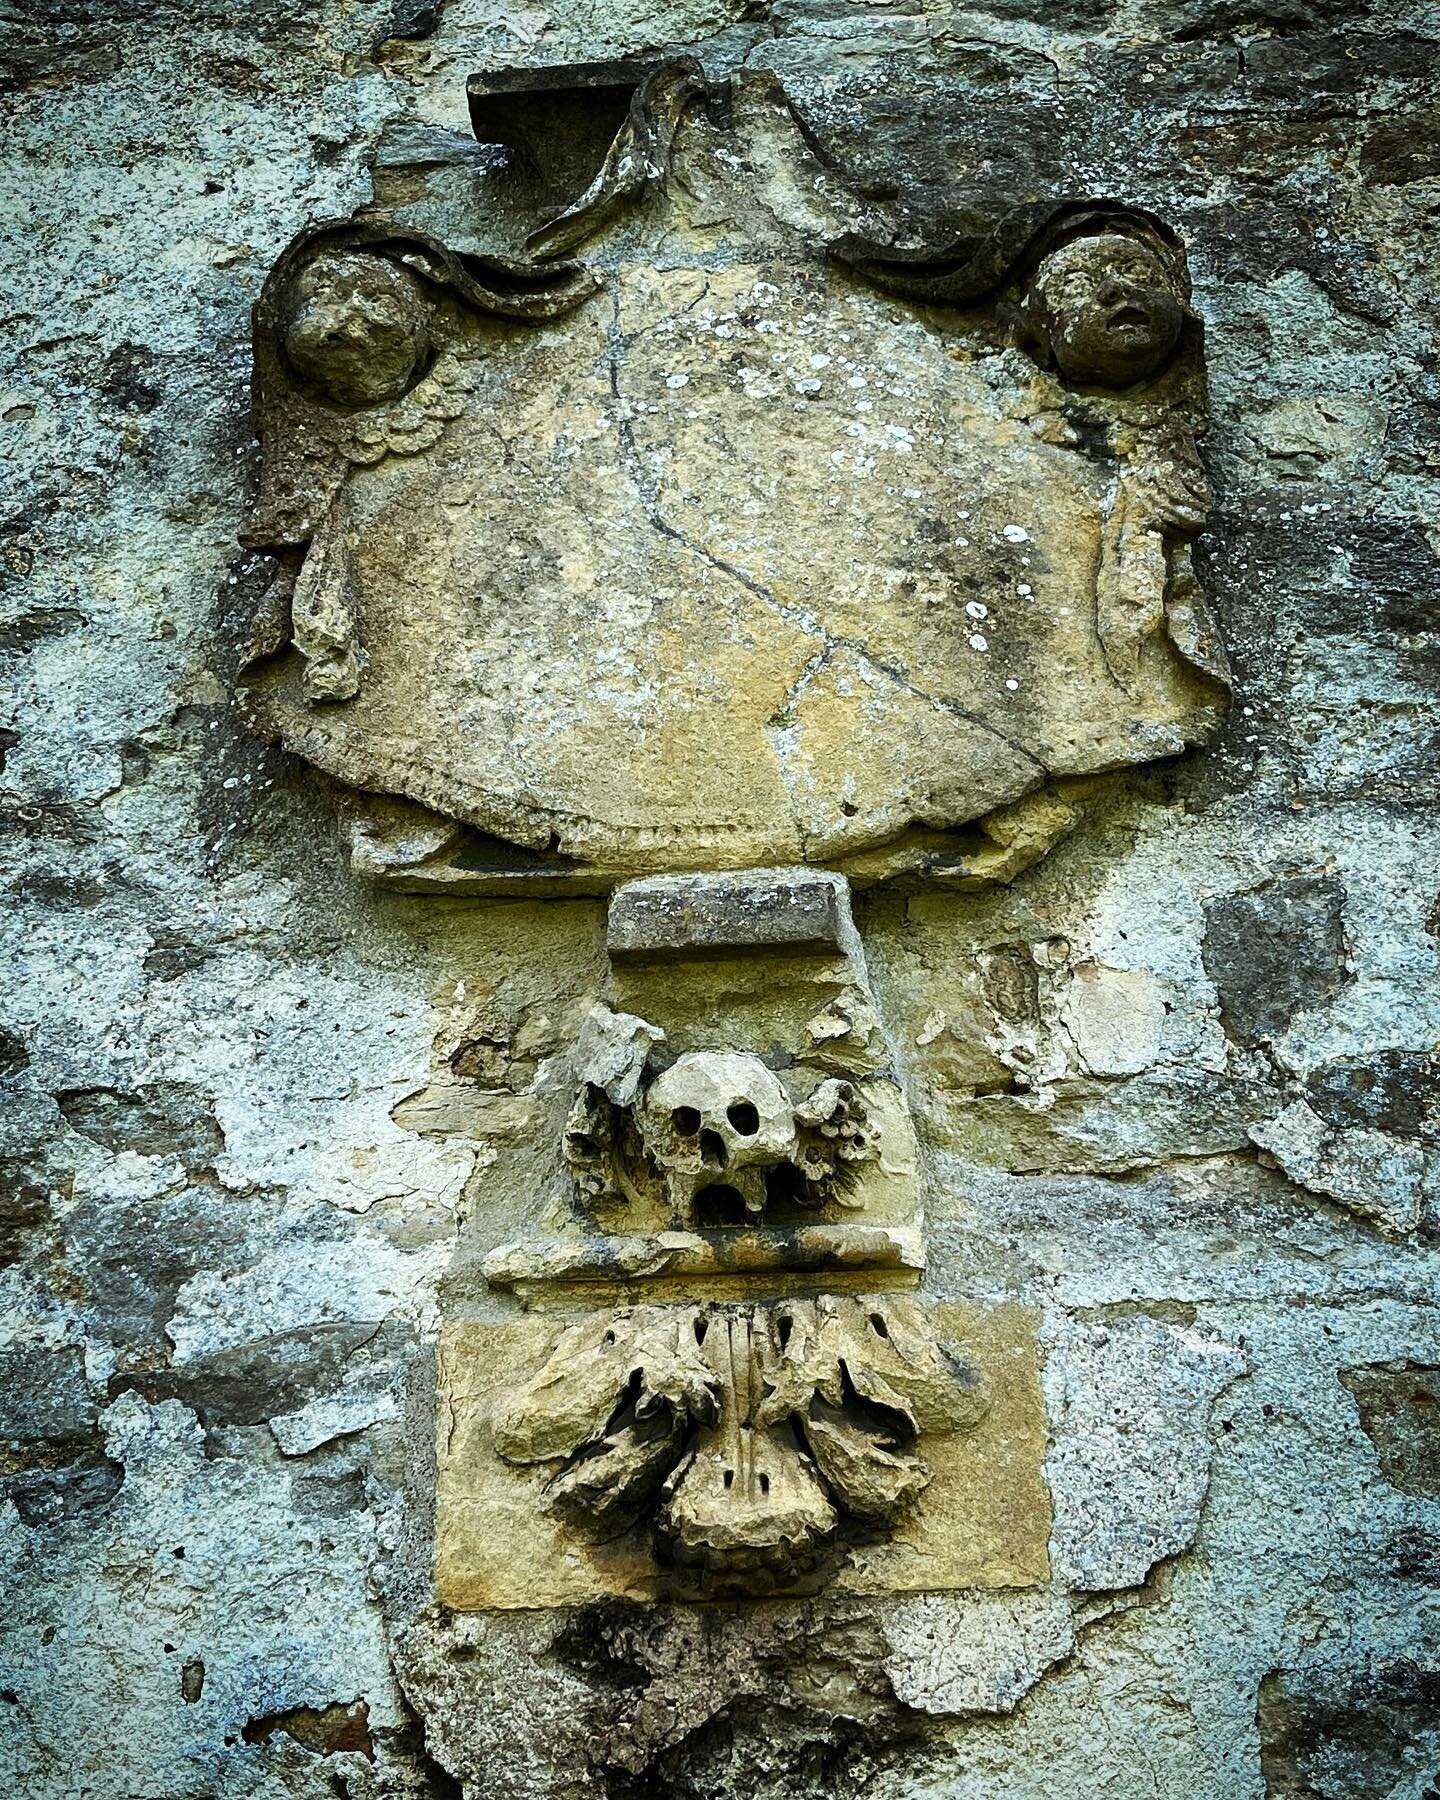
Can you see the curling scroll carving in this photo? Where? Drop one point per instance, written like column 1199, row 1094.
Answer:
column 754, row 1441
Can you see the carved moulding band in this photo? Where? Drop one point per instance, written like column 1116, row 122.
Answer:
column 591, row 572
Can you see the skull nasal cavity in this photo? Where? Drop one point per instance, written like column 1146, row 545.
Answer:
column 744, row 1117
column 712, row 1149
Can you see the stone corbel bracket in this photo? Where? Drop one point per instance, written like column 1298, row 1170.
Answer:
column 717, row 1390
column 737, row 1108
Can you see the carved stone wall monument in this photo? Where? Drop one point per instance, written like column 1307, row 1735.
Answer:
column 547, row 595
column 554, row 615
column 446, row 1135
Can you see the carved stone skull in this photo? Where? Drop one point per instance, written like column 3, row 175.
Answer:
column 715, row 1122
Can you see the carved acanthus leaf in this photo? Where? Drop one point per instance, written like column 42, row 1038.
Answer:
column 873, row 1477
column 646, row 1358
column 834, row 1134
column 751, row 1434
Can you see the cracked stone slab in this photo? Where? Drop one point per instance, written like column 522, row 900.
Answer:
column 332, row 1416
column 720, row 567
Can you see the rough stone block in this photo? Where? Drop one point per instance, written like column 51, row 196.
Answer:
column 721, row 915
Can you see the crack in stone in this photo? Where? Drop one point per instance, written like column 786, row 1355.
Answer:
column 646, row 492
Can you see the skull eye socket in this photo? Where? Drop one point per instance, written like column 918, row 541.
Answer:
column 743, row 1116
column 685, row 1120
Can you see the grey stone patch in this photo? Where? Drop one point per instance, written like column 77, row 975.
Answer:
column 1088, row 1126
column 1309, row 435
column 34, row 56
column 1275, row 952
column 717, row 915
column 1192, row 1231
column 1412, row 1554
column 49, row 1497
column 129, row 1254
column 217, row 1563
column 1381, row 1179
column 974, row 1653
column 169, row 1120
column 1392, row 1091
column 1399, row 1410
column 269, row 1377
column 1129, row 1463
column 44, row 1396
column 1331, row 1728
column 406, row 144
column 414, row 20
column 355, row 1408
column 302, row 1282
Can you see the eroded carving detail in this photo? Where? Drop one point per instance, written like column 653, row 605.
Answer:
column 1103, row 300
column 755, row 1441
column 601, row 631
column 357, row 327
column 716, row 1130
column 1107, row 308
column 716, row 1124
column 786, row 1145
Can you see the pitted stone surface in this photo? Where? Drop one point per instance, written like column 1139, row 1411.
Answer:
column 223, row 1192
column 722, row 915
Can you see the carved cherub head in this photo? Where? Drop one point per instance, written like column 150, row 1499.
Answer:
column 1107, row 308
column 356, row 326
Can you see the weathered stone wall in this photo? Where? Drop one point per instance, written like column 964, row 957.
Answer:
column 1175, row 1083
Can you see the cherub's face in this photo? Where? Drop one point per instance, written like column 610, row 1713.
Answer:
column 357, row 327
column 1110, row 309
